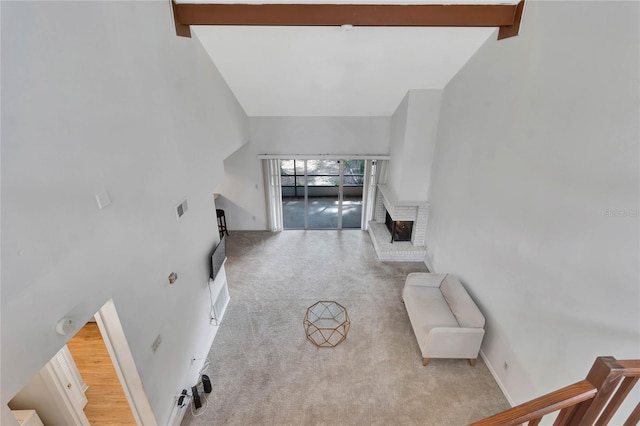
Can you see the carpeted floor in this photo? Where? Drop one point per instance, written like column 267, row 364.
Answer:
column 265, row 372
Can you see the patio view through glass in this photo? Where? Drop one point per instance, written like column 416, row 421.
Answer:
column 322, row 194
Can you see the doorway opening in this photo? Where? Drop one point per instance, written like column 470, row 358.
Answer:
column 59, row 392
column 106, row 400
column 322, row 194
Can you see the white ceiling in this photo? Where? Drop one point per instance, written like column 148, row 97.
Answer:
column 333, row 71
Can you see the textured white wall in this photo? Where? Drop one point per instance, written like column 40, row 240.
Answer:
column 103, row 96
column 242, row 192
column 396, row 145
column 420, row 141
column 413, row 139
column 535, row 194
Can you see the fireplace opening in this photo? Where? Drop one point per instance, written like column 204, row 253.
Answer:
column 400, row 230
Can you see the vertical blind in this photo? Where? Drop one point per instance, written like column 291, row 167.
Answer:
column 271, row 170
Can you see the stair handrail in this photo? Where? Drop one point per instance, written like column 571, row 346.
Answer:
column 592, row 401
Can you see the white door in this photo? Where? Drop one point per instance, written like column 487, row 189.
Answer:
column 56, row 393
column 68, row 375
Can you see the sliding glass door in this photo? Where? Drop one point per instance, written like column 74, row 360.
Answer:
column 352, row 190
column 293, row 181
column 321, row 194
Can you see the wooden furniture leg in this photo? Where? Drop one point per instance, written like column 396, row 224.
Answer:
column 472, row 361
column 425, row 361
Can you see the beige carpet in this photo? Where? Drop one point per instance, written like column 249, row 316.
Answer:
column 265, row 372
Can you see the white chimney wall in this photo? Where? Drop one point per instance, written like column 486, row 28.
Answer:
column 414, row 128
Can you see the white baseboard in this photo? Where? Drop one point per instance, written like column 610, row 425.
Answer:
column 427, row 262
column 177, row 413
column 497, row 379
column 219, row 291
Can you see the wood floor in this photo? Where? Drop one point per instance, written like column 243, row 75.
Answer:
column 107, row 403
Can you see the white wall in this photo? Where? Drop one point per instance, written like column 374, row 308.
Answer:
column 396, row 145
column 103, row 96
column 535, row 193
column 414, row 127
column 242, row 192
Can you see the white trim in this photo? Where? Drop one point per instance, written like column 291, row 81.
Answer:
column 124, row 364
column 340, row 193
column 323, row 157
column 57, row 389
column 391, row 198
column 497, row 379
column 306, row 195
column 427, row 262
column 63, row 362
column 368, row 194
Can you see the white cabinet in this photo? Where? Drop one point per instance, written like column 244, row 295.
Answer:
column 67, row 373
column 27, row 417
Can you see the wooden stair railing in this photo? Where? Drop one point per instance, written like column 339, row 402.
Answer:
column 592, row 401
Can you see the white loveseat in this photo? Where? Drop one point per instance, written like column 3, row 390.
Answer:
column 446, row 321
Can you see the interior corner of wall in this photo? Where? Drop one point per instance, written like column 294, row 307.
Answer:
column 497, row 378
column 428, row 261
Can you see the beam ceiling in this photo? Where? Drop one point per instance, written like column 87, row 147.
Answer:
column 505, row 16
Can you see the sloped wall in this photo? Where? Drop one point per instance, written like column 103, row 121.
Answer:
column 103, row 96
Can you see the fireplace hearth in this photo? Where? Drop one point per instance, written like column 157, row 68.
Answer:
column 400, row 230
column 404, row 220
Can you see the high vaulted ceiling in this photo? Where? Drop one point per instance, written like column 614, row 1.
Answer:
column 336, row 70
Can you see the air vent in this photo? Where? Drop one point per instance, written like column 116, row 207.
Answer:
column 181, row 209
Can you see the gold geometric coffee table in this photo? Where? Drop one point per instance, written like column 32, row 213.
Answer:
column 326, row 323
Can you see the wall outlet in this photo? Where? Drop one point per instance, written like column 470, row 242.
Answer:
column 156, row 343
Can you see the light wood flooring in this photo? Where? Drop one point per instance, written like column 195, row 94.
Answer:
column 107, row 404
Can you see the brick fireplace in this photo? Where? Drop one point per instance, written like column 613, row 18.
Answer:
column 400, row 230
column 399, row 211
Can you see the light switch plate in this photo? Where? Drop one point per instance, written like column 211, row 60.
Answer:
column 103, row 199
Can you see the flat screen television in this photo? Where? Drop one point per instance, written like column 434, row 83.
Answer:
column 218, row 257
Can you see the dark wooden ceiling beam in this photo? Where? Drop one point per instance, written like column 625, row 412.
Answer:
column 512, row 30
column 387, row 15
column 182, row 30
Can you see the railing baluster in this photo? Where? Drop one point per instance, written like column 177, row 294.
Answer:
column 549, row 403
column 605, row 374
column 613, row 405
column 634, row 418
column 564, row 416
